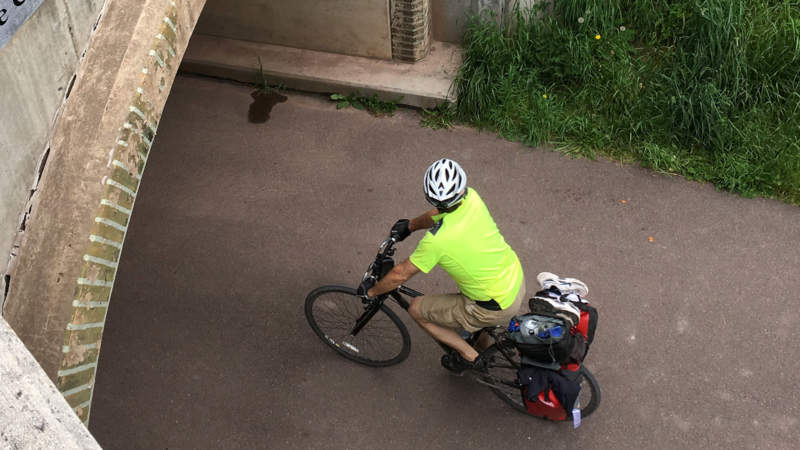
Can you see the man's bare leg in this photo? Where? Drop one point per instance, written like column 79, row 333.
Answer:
column 484, row 342
column 443, row 334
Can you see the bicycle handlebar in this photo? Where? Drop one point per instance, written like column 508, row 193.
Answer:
column 387, row 246
column 385, row 251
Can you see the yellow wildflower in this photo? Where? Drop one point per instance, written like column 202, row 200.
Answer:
column 597, row 36
column 544, row 95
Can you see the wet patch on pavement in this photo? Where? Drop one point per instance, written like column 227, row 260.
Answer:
column 262, row 105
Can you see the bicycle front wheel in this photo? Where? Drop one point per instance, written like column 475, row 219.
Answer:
column 503, row 366
column 332, row 312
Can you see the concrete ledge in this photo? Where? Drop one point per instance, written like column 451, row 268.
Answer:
column 423, row 84
column 33, row 412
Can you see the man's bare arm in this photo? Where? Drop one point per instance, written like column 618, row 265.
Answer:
column 424, row 221
column 405, row 270
column 397, row 276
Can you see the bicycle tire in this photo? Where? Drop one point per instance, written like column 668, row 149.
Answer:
column 342, row 307
column 504, row 370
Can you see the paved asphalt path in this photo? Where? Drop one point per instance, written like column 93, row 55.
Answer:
column 207, row 346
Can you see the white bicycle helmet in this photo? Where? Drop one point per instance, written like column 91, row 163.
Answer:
column 445, row 183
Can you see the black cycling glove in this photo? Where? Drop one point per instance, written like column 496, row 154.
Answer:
column 366, row 285
column 400, row 229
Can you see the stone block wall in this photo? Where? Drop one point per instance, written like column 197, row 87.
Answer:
column 411, row 29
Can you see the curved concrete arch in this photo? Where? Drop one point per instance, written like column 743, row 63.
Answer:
column 98, row 153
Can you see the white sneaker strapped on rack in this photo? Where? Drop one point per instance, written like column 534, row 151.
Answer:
column 565, row 285
column 544, row 304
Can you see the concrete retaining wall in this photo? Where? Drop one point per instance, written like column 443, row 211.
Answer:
column 36, row 68
column 351, row 27
column 65, row 271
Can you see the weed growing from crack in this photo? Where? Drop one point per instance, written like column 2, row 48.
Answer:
column 373, row 105
column 443, row 116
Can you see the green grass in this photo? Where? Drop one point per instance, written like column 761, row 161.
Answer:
column 708, row 89
column 374, row 104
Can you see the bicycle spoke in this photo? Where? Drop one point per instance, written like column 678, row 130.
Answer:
column 334, row 313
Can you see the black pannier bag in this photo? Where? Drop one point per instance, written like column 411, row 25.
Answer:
column 546, row 340
column 570, row 344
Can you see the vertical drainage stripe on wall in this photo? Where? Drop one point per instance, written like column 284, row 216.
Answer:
column 93, row 289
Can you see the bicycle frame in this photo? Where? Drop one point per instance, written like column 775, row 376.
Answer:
column 397, row 296
column 371, row 310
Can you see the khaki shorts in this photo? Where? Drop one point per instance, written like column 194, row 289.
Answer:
column 457, row 311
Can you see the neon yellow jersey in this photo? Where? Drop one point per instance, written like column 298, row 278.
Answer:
column 467, row 245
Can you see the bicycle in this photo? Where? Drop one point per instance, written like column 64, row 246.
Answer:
column 370, row 333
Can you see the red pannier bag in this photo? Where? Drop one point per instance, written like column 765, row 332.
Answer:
column 547, row 405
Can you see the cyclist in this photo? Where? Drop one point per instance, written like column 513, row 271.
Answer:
column 464, row 240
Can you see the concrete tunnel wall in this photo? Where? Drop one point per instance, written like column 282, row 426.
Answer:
column 351, row 27
column 37, row 68
column 64, row 273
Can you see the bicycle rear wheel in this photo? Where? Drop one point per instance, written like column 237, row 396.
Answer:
column 332, row 312
column 503, row 366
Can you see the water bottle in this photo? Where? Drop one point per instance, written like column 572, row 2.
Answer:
column 529, row 327
column 550, row 332
column 543, row 333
